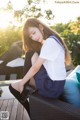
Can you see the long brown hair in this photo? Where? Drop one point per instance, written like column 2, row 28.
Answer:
column 29, row 44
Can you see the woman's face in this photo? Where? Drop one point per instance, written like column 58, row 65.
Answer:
column 35, row 34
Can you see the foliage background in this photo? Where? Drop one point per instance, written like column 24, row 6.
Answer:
column 70, row 31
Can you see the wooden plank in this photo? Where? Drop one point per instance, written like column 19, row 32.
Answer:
column 2, row 77
column 1, row 102
column 7, row 82
column 14, row 110
column 13, row 76
column 9, row 106
column 4, row 105
column 19, row 112
column 22, row 113
column 25, row 115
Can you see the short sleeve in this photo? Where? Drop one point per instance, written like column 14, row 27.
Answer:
column 50, row 49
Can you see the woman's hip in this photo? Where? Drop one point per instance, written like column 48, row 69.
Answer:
column 46, row 86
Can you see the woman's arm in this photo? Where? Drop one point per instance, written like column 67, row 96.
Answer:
column 33, row 70
column 19, row 85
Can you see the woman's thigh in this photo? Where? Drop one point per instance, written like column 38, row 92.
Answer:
column 46, row 86
column 33, row 60
column 32, row 83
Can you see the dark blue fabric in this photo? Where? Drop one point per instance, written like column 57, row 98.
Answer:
column 46, row 87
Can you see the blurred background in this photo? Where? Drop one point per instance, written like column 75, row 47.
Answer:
column 62, row 16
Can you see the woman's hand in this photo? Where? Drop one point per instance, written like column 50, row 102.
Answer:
column 18, row 86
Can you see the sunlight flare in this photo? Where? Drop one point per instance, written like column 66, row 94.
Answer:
column 5, row 19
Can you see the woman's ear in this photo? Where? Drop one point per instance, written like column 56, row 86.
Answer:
column 41, row 27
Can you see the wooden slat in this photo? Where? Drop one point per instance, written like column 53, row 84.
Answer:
column 1, row 102
column 13, row 76
column 25, row 115
column 4, row 105
column 19, row 112
column 7, row 82
column 9, row 106
column 14, row 110
column 2, row 77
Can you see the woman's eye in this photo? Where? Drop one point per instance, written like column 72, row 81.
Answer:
column 33, row 33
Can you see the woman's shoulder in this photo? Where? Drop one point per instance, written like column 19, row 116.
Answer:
column 50, row 40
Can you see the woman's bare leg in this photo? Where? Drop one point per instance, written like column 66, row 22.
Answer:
column 33, row 60
column 32, row 81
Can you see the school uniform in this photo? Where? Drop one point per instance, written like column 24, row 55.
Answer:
column 50, row 79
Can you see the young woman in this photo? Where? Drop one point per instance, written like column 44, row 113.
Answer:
column 48, row 70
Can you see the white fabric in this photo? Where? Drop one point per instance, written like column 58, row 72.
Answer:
column 54, row 55
column 1, row 61
column 72, row 75
column 16, row 63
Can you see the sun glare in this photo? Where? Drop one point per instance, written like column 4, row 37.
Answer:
column 62, row 12
column 5, row 19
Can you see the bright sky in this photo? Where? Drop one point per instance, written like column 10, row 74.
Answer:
column 64, row 10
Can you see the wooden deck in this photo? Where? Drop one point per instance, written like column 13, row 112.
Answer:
column 15, row 109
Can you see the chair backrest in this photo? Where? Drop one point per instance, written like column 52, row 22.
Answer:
column 9, row 74
column 8, row 77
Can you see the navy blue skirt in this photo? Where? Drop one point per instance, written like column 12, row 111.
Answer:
column 47, row 87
